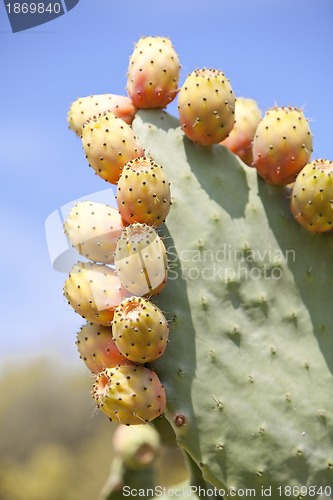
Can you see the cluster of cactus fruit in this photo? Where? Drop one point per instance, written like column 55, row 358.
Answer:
column 131, row 330
column 279, row 145
column 125, row 329
column 117, row 289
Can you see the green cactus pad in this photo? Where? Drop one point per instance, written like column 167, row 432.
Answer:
column 248, row 369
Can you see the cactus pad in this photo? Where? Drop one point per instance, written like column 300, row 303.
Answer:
column 248, row 369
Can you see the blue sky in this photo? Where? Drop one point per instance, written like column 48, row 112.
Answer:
column 275, row 51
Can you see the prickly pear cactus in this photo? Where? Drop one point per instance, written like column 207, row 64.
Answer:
column 248, row 369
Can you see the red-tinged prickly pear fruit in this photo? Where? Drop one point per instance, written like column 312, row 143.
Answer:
column 94, row 291
column 206, row 105
column 140, row 330
column 153, row 73
column 98, row 349
column 141, row 260
column 143, row 192
column 109, row 143
column 129, row 395
column 247, row 118
column 138, row 447
column 93, row 229
column 312, row 196
column 282, row 145
column 93, row 106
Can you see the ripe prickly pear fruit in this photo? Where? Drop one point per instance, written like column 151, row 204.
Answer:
column 93, row 229
column 282, row 145
column 93, row 106
column 247, row 118
column 312, row 196
column 143, row 192
column 137, row 447
column 140, row 330
column 97, row 348
column 109, row 143
column 94, row 291
column 206, row 105
column 141, row 260
column 130, row 395
column 153, row 73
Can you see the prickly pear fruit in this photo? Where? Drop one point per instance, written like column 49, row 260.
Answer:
column 140, row 330
column 97, row 348
column 137, row 447
column 153, row 73
column 93, row 229
column 247, row 118
column 143, row 192
column 94, row 291
column 91, row 107
column 282, row 145
column 109, row 143
column 312, row 196
column 141, row 260
column 130, row 395
column 206, row 105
